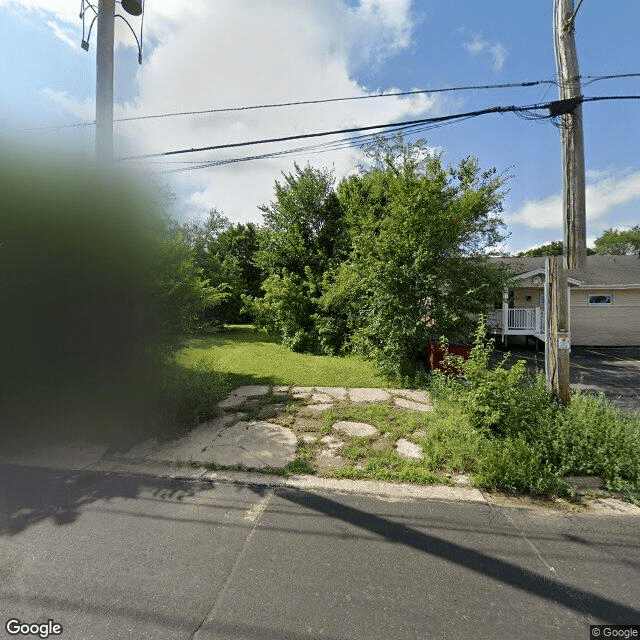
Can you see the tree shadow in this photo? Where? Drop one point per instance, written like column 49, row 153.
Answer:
column 29, row 495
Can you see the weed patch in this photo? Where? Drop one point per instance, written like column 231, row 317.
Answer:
column 503, row 424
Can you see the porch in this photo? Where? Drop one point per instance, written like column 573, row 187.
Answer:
column 518, row 322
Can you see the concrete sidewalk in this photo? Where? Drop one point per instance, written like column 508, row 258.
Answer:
column 239, row 438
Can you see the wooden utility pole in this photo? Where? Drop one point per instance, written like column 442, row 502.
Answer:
column 557, row 331
column 575, row 226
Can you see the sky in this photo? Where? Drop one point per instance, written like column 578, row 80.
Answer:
column 213, row 54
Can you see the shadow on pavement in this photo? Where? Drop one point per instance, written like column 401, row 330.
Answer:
column 30, row 495
column 579, row 600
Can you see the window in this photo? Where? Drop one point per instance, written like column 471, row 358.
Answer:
column 600, row 298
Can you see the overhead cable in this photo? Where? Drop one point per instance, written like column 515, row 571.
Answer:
column 391, row 94
column 383, row 126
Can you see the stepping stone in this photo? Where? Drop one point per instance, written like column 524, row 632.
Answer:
column 411, row 394
column 368, row 395
column 410, row 404
column 419, row 433
column 301, row 392
column 339, row 393
column 318, row 398
column 408, row 449
column 332, row 442
column 237, row 397
column 355, row 428
column 280, row 390
column 308, row 438
column 316, row 408
column 462, row 479
column 327, row 461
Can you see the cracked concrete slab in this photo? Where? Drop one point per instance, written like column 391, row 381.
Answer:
column 355, row 428
column 320, row 398
column 301, row 392
column 237, row 397
column 338, row 393
column 412, row 394
column 191, row 446
column 253, row 444
column 368, row 395
column 414, row 406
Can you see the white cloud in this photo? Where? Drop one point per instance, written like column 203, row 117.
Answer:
column 215, row 53
column 82, row 109
column 256, row 53
column 496, row 50
column 606, row 191
column 63, row 34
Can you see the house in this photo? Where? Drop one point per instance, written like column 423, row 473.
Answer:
column 604, row 308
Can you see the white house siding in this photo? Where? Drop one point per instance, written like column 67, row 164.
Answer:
column 614, row 325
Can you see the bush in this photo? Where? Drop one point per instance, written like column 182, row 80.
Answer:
column 501, row 401
column 515, row 465
column 525, row 442
column 591, row 436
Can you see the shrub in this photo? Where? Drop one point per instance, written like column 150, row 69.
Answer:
column 505, row 402
column 515, row 465
column 591, row 436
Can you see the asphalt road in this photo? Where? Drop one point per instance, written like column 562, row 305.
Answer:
column 111, row 556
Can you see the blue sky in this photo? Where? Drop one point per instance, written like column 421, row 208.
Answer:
column 228, row 53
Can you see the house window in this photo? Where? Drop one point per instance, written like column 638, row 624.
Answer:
column 600, row 298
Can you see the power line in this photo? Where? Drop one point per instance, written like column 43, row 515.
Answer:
column 528, row 109
column 302, row 136
column 507, row 85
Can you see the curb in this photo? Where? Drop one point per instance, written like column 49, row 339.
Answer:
column 301, row 482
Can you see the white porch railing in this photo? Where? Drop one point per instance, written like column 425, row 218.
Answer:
column 518, row 321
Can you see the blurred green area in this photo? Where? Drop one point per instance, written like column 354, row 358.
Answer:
column 87, row 310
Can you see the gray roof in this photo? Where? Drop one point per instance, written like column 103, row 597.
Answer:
column 601, row 270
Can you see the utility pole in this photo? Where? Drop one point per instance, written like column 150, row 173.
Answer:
column 557, row 330
column 104, row 81
column 575, row 227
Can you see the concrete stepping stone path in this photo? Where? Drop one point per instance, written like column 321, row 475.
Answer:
column 408, row 449
column 368, row 395
column 237, row 397
column 355, row 428
column 411, row 404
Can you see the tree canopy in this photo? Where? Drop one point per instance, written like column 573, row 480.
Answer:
column 619, row 242
column 394, row 257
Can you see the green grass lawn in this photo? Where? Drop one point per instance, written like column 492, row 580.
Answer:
column 244, row 352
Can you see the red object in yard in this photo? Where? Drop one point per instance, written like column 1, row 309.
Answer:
column 435, row 357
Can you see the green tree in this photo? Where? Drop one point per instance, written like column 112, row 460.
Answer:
column 619, row 242
column 554, row 248
column 218, row 266
column 241, row 242
column 303, row 237
column 418, row 266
